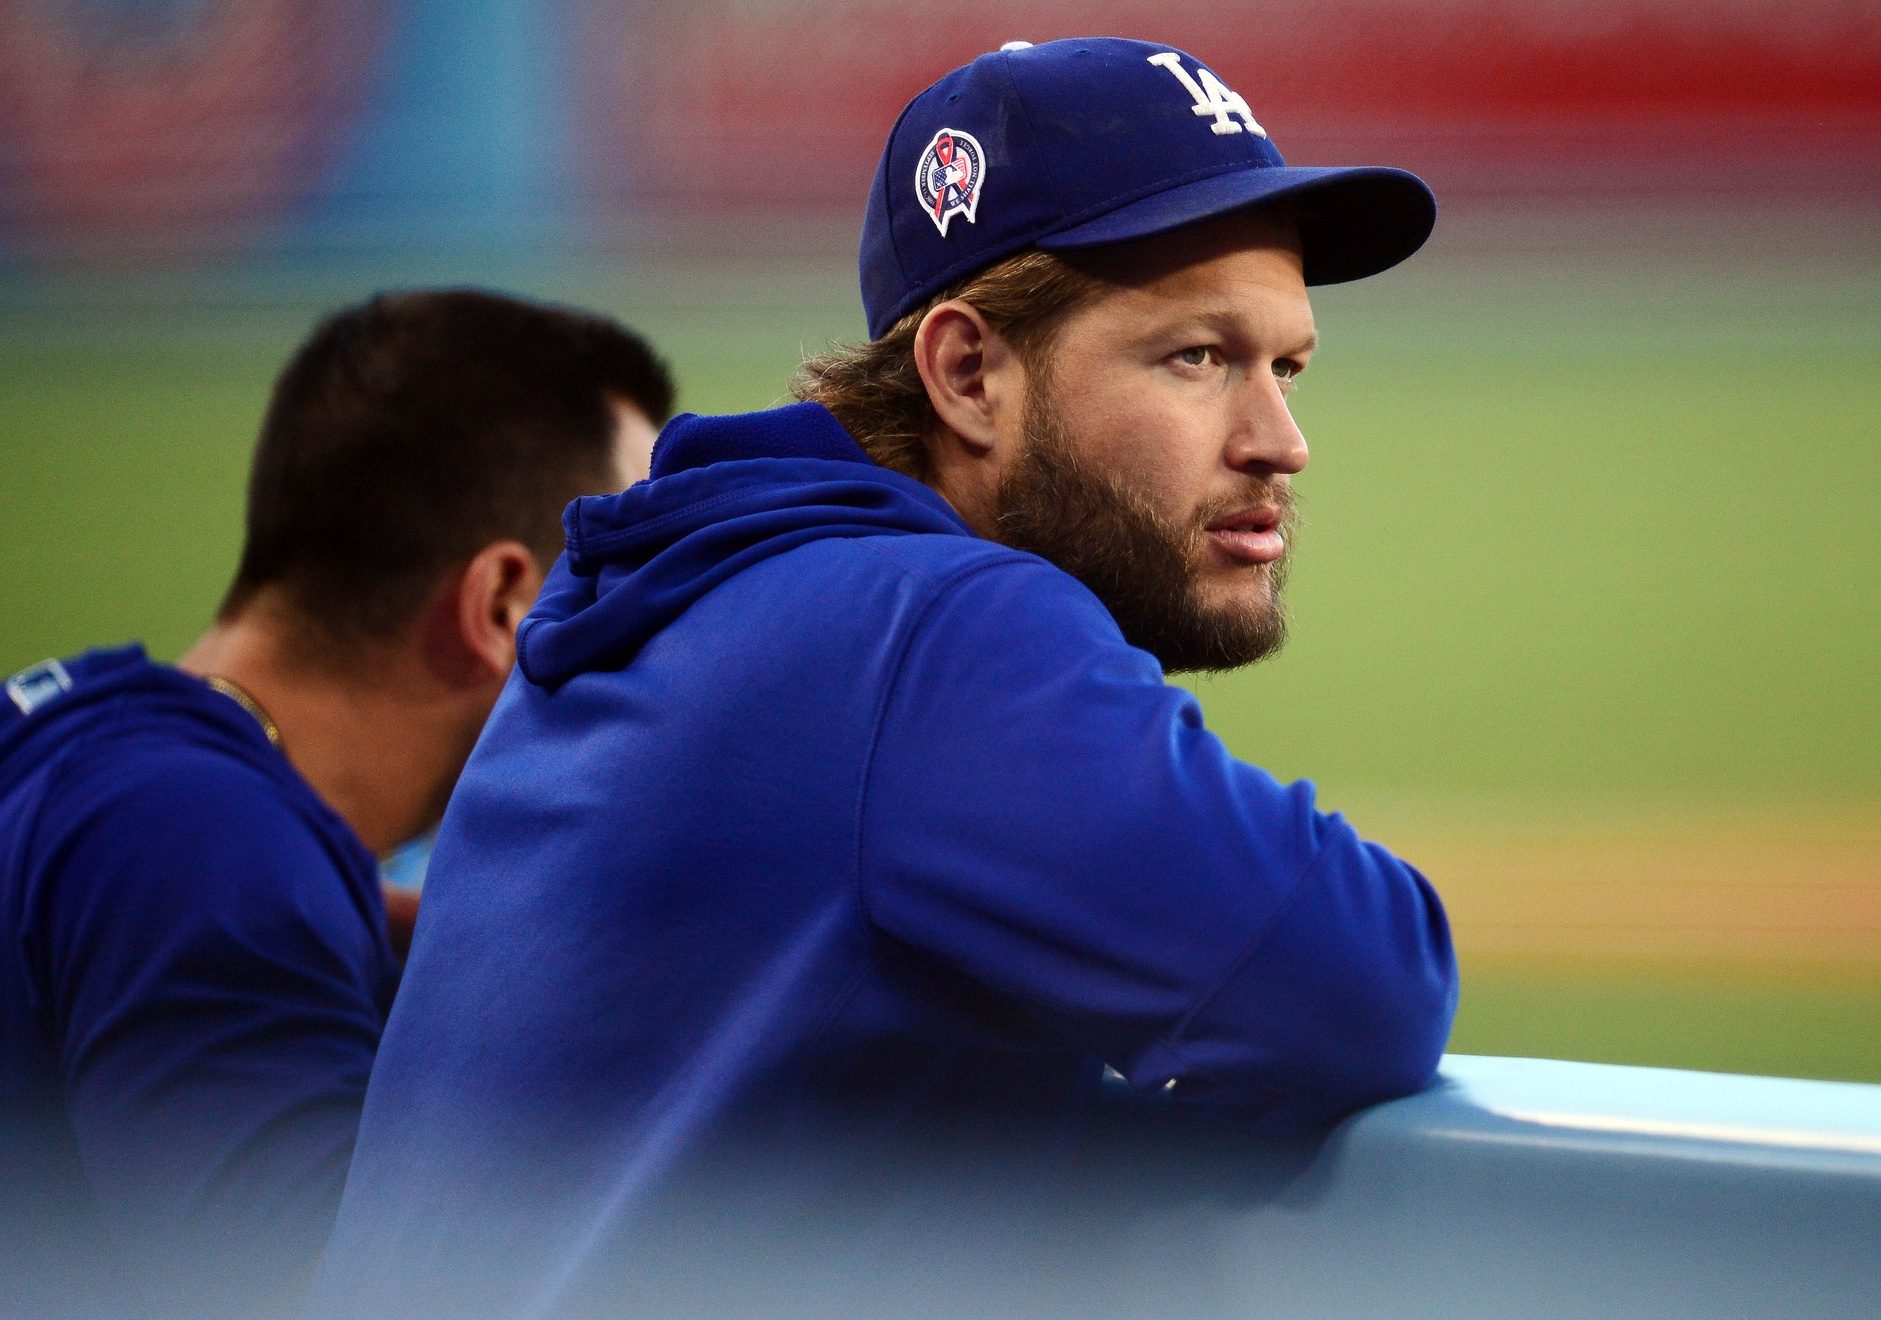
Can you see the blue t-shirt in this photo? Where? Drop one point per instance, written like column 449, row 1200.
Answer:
column 821, row 849
column 194, row 973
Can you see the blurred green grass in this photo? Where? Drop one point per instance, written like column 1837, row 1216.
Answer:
column 1577, row 538
column 1718, row 1019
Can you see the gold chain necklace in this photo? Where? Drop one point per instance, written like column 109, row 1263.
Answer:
column 247, row 703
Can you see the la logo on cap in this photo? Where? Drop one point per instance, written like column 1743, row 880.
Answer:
column 948, row 176
column 1211, row 96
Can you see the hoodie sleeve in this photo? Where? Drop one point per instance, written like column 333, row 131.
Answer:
column 1045, row 816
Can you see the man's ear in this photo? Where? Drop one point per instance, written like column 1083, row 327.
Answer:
column 973, row 378
column 473, row 626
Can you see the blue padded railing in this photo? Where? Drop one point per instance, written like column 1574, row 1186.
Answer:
column 1510, row 1188
column 1522, row 1187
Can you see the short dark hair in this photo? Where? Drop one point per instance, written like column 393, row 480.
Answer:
column 412, row 430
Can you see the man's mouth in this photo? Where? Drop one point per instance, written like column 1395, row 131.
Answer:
column 1250, row 535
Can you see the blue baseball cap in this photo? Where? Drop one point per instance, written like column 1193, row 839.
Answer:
column 1093, row 140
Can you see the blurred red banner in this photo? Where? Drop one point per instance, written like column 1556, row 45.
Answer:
column 704, row 103
column 127, row 131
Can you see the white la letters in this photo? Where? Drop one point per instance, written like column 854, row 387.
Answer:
column 1211, row 96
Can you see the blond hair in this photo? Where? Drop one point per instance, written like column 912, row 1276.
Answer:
column 875, row 390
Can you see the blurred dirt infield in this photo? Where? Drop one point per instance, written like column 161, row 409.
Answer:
column 1747, row 942
column 1800, row 892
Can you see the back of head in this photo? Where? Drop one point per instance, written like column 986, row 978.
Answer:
column 410, row 431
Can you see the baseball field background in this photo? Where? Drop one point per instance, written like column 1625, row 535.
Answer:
column 1587, row 602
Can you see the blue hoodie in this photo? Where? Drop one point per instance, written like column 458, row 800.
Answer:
column 812, row 831
column 194, row 970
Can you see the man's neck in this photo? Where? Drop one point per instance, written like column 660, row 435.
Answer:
column 374, row 739
column 971, row 491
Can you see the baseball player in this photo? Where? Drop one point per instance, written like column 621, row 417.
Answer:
column 839, row 828
column 196, row 962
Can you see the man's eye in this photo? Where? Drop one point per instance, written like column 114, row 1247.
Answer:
column 1288, row 371
column 1194, row 357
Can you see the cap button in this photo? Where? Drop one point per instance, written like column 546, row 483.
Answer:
column 1017, row 45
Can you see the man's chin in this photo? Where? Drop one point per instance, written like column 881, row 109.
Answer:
column 1227, row 628
column 1246, row 592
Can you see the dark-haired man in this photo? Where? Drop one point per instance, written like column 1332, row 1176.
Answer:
column 918, row 839
column 196, row 963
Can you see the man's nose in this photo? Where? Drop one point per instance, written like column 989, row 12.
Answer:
column 1266, row 439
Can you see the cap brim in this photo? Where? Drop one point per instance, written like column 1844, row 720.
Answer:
column 1354, row 220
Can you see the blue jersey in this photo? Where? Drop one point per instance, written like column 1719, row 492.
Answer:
column 819, row 844
column 194, row 972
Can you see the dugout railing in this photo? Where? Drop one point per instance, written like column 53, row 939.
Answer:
column 1521, row 1187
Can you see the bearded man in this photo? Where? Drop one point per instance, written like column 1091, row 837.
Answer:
column 839, row 827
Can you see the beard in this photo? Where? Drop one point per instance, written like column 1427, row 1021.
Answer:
column 1143, row 566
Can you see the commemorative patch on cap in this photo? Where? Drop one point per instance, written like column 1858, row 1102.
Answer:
column 948, row 177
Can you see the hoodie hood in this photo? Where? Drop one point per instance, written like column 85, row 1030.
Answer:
column 725, row 494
